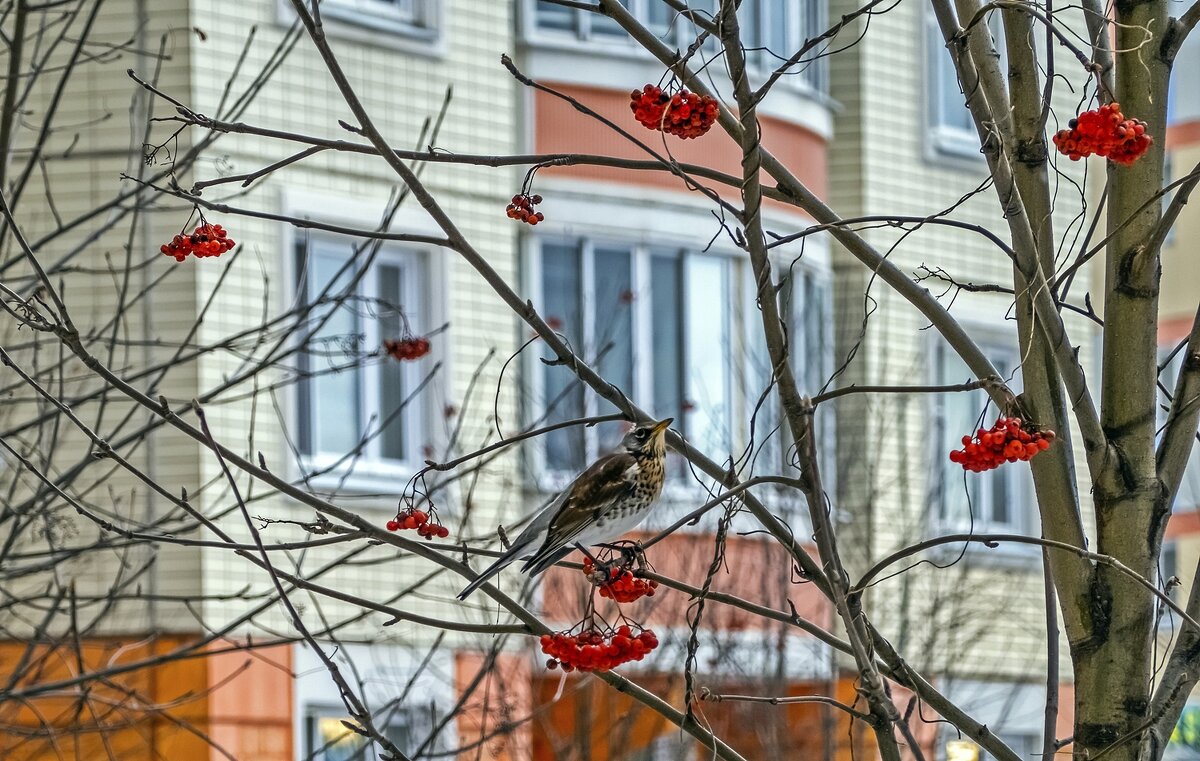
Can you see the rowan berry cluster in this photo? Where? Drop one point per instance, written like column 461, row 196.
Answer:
column 1105, row 132
column 521, row 209
column 413, row 347
column 1008, row 440
column 425, row 525
column 616, row 583
column 596, row 650
column 684, row 114
column 205, row 240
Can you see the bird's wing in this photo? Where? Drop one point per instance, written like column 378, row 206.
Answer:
column 609, row 479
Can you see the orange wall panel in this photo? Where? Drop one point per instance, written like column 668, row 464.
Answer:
column 502, row 695
column 137, row 714
column 165, row 707
column 559, row 128
column 250, row 706
column 755, row 569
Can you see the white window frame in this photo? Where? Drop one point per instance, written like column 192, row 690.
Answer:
column 640, row 253
column 582, row 209
column 802, row 357
column 371, row 470
column 1020, row 481
column 313, row 712
column 949, row 140
column 583, row 40
column 411, row 25
column 385, row 672
column 1168, row 566
column 739, row 401
column 1189, row 484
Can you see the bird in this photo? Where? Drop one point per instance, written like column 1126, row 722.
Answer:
column 603, row 502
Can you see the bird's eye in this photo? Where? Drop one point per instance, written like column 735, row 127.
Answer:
column 641, row 433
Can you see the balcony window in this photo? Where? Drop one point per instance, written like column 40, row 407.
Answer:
column 352, row 399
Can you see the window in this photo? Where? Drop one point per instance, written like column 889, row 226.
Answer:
column 328, row 739
column 1183, row 105
column 586, row 25
column 1025, row 745
column 772, row 30
column 665, row 325
column 806, row 296
column 351, row 395
column 952, row 128
column 997, row 500
column 1188, row 496
column 1168, row 571
column 613, row 301
column 411, row 18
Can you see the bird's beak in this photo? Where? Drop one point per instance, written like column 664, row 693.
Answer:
column 661, row 426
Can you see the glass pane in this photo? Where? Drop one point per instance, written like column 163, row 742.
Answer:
column 666, row 336
column 612, row 330
column 550, row 16
column 337, row 740
column 812, row 327
column 562, row 391
column 776, row 32
column 708, row 353
column 952, row 102
column 767, row 417
column 960, row 417
column 1001, row 495
column 335, row 407
column 1188, row 496
column 602, row 24
column 750, row 24
column 392, row 387
column 659, row 16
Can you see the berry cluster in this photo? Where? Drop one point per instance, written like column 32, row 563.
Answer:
column 1008, row 440
column 426, row 526
column 594, row 650
column 413, row 347
column 205, row 240
column 684, row 114
column 521, row 208
column 616, row 583
column 1105, row 132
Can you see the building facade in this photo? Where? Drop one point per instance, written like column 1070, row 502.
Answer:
column 636, row 272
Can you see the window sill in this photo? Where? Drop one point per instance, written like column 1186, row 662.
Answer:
column 357, row 476
column 953, row 147
column 1003, row 555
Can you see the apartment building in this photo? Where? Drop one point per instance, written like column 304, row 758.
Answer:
column 635, row 271
column 905, row 146
column 1179, row 301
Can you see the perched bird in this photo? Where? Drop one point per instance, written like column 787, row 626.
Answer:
column 601, row 504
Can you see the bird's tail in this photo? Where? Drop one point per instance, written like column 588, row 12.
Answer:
column 493, row 569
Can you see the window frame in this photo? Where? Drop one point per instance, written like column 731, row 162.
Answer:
column 370, row 470
column 1020, row 482
column 641, row 253
column 314, row 712
column 801, row 270
column 942, row 139
column 741, row 317
column 579, row 37
column 1187, row 497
